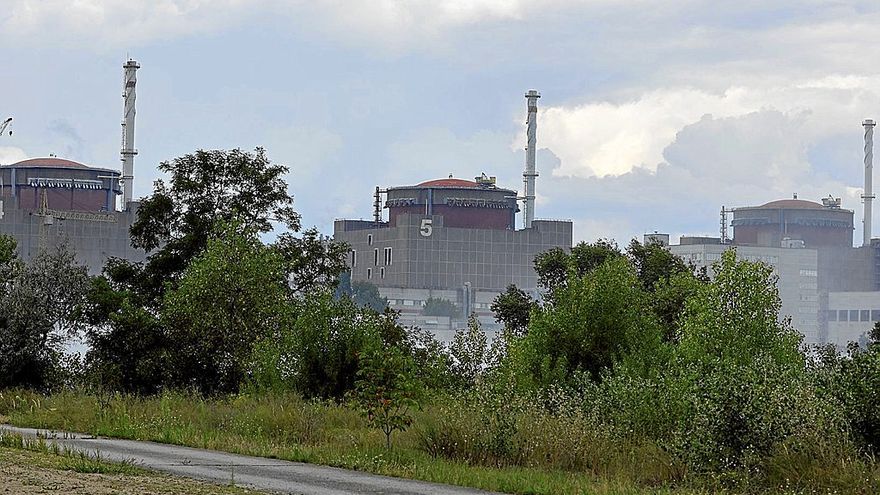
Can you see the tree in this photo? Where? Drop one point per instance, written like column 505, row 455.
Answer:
column 229, row 297
column 435, row 306
column 654, row 263
column 386, row 390
column 361, row 292
column 129, row 337
column 513, row 308
column 40, row 310
column 597, row 320
column 206, row 187
column 553, row 266
column 740, row 372
column 470, row 353
column 317, row 352
column 311, row 261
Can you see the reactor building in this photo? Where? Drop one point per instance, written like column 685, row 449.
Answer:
column 829, row 289
column 48, row 201
column 452, row 239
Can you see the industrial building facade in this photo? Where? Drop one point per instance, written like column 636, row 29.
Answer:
column 48, row 201
column 450, row 239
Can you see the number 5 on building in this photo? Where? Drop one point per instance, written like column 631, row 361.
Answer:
column 427, row 227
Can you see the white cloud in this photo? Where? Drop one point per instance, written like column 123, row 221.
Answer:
column 608, row 138
column 11, row 154
column 391, row 22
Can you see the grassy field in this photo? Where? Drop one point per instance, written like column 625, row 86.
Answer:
column 286, row 427
column 35, row 467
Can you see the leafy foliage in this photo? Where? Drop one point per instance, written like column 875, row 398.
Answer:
column 596, row 320
column 205, row 188
column 317, row 353
column 435, row 306
column 40, row 310
column 361, row 292
column 469, row 351
column 230, row 297
column 386, row 390
column 513, row 308
column 310, row 261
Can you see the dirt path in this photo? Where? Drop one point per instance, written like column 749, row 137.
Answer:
column 24, row 473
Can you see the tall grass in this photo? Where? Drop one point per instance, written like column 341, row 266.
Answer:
column 70, row 459
column 507, row 445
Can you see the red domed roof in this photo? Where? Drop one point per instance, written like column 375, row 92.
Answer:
column 449, row 182
column 796, row 204
column 50, row 162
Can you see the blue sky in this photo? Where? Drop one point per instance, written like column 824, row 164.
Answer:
column 653, row 115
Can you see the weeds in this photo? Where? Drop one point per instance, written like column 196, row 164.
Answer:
column 70, row 459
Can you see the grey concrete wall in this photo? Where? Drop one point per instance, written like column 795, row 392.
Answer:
column 488, row 259
column 92, row 241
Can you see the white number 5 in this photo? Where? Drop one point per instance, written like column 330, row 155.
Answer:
column 427, row 227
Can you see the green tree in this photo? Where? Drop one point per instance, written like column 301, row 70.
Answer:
column 513, row 308
column 361, row 292
column 469, row 350
column 555, row 265
column 311, row 261
column 435, row 306
column 206, row 187
column 654, row 263
column 386, row 389
column 128, row 334
column 40, row 310
column 317, row 352
column 230, row 296
column 742, row 376
column 597, row 319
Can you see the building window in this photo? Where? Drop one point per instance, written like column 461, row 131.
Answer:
column 376, row 257
column 832, row 315
column 842, row 315
column 353, row 258
column 808, row 273
column 387, row 256
column 853, row 315
column 875, row 315
column 864, row 315
column 369, row 273
column 382, row 273
column 369, row 239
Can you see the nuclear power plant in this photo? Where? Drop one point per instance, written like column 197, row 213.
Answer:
column 462, row 241
column 453, row 239
column 829, row 289
column 52, row 200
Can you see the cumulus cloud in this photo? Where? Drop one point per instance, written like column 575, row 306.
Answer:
column 11, row 154
column 391, row 22
column 608, row 138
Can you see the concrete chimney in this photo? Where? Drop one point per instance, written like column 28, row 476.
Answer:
column 529, row 174
column 128, row 150
column 868, row 196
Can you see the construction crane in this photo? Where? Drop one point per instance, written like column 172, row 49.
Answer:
column 4, row 125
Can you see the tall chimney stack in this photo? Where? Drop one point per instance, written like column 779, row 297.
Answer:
column 529, row 174
column 868, row 196
column 128, row 150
